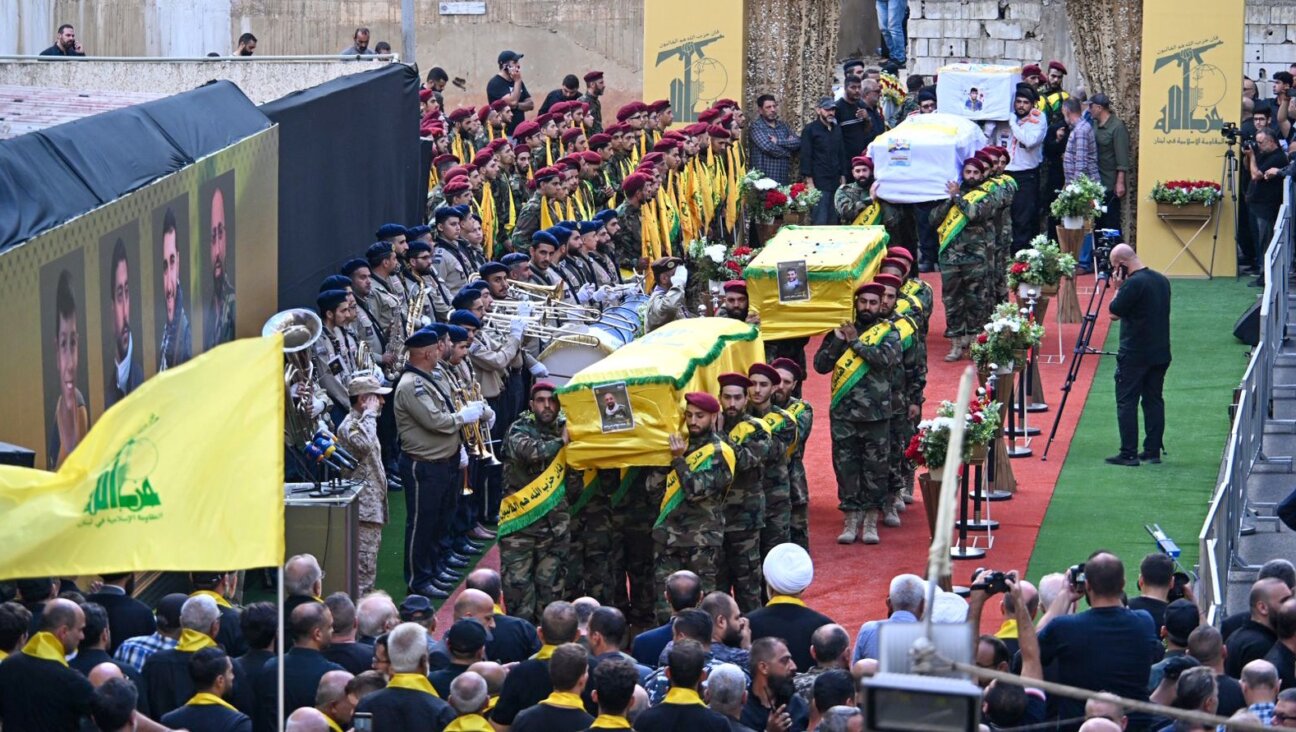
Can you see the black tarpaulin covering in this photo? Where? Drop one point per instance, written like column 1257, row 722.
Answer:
column 349, row 162
column 53, row 175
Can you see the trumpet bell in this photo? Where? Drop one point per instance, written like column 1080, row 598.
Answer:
column 300, row 328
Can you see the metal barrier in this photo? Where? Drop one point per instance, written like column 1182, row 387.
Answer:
column 1220, row 536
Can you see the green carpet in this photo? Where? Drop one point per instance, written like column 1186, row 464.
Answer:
column 391, row 577
column 1096, row 505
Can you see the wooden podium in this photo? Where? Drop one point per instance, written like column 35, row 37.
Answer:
column 327, row 527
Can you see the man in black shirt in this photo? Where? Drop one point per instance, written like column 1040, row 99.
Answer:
column 37, row 689
column 512, row 639
column 127, row 617
column 311, row 628
column 1156, row 574
column 563, row 710
column 824, row 162
column 773, row 689
column 409, row 702
column 1142, row 305
column 858, row 115
column 93, row 649
column 212, row 674
column 683, row 708
column 529, row 681
column 1283, row 653
column 1264, row 161
column 508, row 85
column 568, row 92
column 1256, row 636
column 344, row 649
column 1206, row 645
column 65, row 43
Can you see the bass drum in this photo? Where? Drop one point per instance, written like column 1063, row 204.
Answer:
column 590, row 343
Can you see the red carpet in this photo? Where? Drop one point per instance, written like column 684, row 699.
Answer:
column 851, row 581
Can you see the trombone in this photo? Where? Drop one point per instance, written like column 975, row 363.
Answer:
column 555, row 309
column 522, row 290
column 501, row 323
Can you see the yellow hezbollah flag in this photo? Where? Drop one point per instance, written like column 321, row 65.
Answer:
column 837, row 260
column 185, row 473
column 621, row 410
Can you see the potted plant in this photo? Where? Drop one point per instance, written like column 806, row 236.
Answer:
column 801, row 201
column 1079, row 201
column 708, row 259
column 1183, row 199
column 1003, row 342
column 737, row 259
column 930, row 444
column 1039, row 268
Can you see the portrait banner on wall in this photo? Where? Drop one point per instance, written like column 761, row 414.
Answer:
column 1191, row 86
column 693, row 54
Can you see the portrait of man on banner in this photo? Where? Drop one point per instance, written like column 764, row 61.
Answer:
column 123, row 359
column 216, row 262
column 67, row 414
column 171, row 236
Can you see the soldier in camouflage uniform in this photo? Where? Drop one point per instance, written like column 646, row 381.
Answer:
column 964, row 256
column 629, row 241
column 689, row 530
column 907, row 385
column 592, row 539
column 861, row 411
column 631, row 562
column 784, row 398
column 358, row 435
column 548, row 183
column 857, row 204
column 533, row 558
column 915, row 300
column 744, row 505
column 778, row 482
column 1003, row 223
column 594, row 86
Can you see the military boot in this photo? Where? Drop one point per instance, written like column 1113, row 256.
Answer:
column 907, row 494
column 869, row 531
column 957, row 345
column 850, row 528
column 899, row 501
column 890, row 516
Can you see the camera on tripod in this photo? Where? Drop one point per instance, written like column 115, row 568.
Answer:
column 1231, row 132
column 1104, row 240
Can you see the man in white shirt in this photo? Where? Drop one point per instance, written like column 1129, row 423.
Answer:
column 1025, row 150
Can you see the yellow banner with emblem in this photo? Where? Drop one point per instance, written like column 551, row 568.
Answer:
column 537, row 498
column 183, row 474
column 851, row 367
column 645, row 382
column 837, row 260
column 699, row 459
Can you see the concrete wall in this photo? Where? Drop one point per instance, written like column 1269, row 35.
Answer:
column 261, row 81
column 1270, row 40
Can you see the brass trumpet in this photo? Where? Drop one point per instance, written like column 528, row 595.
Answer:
column 532, row 291
column 502, row 324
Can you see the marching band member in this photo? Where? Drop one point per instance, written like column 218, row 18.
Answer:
column 335, row 353
column 421, row 280
column 452, row 267
column 466, row 524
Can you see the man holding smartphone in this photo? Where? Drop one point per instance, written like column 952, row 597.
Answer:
column 1142, row 305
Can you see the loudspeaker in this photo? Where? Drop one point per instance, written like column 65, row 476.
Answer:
column 17, row 456
column 1247, row 327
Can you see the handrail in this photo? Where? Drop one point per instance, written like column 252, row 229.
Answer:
column 1220, row 536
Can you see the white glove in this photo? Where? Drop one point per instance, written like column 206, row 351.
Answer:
column 471, row 412
column 539, row 370
column 680, row 278
column 490, row 416
column 463, row 457
column 318, row 407
column 517, row 326
column 602, row 294
column 524, row 308
column 584, row 293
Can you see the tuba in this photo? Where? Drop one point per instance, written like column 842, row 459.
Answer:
column 300, row 328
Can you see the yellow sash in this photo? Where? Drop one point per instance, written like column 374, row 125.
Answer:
column 546, row 216
column 870, row 216
column 45, row 645
column 413, row 682
column 850, row 367
column 470, row 723
column 564, row 699
column 956, row 220
column 218, row 597
column 677, row 695
column 191, row 641
column 545, row 653
column 203, row 698
column 699, row 459
column 333, row 726
column 775, row 421
column 535, row 499
column 610, row 721
column 745, row 429
column 785, row 600
column 489, row 222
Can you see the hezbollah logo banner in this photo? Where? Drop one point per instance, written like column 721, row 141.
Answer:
column 185, row 473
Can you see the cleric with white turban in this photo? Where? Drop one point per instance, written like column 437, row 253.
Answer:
column 788, row 570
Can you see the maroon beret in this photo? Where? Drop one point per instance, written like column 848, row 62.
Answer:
column 764, row 369
column 734, row 379
column 703, row 401
column 887, row 280
column 735, row 286
column 872, row 288
column 783, row 363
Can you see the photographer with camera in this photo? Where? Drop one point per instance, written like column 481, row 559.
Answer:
column 1159, row 585
column 1265, row 161
column 1142, row 305
column 1105, row 648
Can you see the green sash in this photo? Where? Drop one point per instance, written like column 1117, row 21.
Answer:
column 699, row 459
column 589, row 479
column 850, row 367
column 628, row 476
column 537, row 498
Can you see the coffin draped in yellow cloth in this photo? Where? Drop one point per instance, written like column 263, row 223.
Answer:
column 838, row 259
column 653, row 373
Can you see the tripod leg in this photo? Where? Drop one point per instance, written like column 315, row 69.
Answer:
column 1082, row 348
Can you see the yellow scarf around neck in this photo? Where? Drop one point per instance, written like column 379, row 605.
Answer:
column 47, row 646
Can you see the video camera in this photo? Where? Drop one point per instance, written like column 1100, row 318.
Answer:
column 1078, row 579
column 1234, row 135
column 1104, row 240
